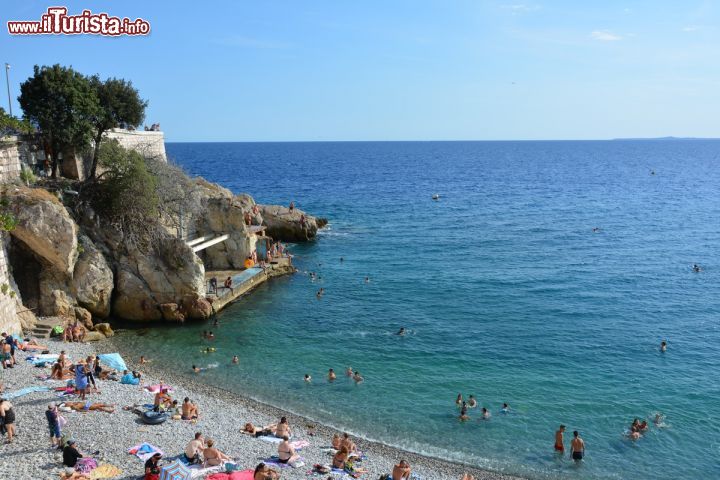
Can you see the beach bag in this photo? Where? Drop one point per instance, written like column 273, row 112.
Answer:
column 57, row 330
column 86, row 465
column 61, row 421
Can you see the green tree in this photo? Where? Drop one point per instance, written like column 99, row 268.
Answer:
column 120, row 104
column 61, row 104
column 11, row 125
column 125, row 195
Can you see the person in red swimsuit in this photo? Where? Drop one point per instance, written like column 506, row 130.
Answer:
column 559, row 446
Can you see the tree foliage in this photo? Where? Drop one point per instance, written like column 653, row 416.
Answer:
column 119, row 105
column 13, row 126
column 125, row 195
column 61, row 104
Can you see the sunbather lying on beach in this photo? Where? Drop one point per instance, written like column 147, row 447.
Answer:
column 31, row 344
column 250, row 429
column 87, row 406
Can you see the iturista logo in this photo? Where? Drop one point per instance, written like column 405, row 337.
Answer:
column 56, row 21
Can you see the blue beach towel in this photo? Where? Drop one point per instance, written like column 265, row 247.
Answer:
column 113, row 360
column 25, row 391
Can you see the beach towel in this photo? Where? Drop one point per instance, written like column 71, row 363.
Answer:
column 299, row 444
column 244, row 475
column 86, row 465
column 156, row 388
column 197, row 471
column 275, row 460
column 105, row 471
column 144, row 451
column 43, row 358
column 25, row 391
column 113, row 360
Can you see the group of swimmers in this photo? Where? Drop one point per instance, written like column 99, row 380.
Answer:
column 472, row 403
column 332, row 376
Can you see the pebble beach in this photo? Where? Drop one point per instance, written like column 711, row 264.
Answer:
column 222, row 416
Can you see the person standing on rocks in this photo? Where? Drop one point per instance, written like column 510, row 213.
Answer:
column 53, row 424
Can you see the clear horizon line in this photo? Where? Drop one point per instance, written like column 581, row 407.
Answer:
column 449, row 141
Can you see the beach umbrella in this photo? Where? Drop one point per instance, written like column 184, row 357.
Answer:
column 175, row 471
column 113, row 360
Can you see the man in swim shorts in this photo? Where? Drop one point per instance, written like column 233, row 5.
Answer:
column 577, row 447
column 559, row 445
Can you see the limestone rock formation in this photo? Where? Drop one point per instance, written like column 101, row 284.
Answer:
column 84, row 317
column 287, row 225
column 225, row 215
column 144, row 282
column 45, row 226
column 92, row 281
column 171, row 312
column 196, row 307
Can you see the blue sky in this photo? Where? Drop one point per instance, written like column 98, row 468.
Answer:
column 401, row 70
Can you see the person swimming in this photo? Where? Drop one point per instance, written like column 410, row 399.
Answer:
column 349, row 372
column 320, row 293
column 357, row 377
column 696, row 268
column 235, row 359
column 367, row 279
column 472, row 403
column 505, row 408
column 459, row 399
column 663, row 346
column 401, row 332
column 308, row 378
column 331, row 375
column 211, row 336
column 196, row 369
column 463, row 412
column 485, row 414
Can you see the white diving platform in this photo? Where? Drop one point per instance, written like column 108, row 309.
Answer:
column 196, row 247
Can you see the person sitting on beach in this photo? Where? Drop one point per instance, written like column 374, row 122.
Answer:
column 401, row 471
column 485, row 414
column 357, row 377
column 89, row 407
column 340, row 458
column 194, row 449
column 144, row 360
column 162, row 400
column 282, row 429
column 152, row 467
column 228, row 284
column 57, row 372
column 467, row 476
column 189, row 410
column 263, row 472
column 336, row 442
column 67, row 332
column 472, row 403
column 348, row 443
column 213, row 456
column 331, row 375
column 577, row 447
column 130, row 378
column 78, row 332
column 286, row 452
column 62, row 359
column 71, row 454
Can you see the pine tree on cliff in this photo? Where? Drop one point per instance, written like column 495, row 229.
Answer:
column 120, row 105
column 61, row 104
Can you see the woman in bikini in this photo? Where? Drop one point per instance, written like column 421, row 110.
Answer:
column 213, row 456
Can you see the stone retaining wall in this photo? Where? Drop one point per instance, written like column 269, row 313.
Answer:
column 9, row 321
column 9, row 159
column 149, row 144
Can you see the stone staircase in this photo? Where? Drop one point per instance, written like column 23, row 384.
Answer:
column 44, row 326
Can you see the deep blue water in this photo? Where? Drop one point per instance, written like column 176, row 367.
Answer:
column 506, row 290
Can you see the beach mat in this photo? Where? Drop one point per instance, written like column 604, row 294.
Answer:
column 105, row 471
column 276, row 461
column 144, row 451
column 25, row 391
column 243, row 475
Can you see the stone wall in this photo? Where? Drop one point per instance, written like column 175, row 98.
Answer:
column 9, row 159
column 149, row 144
column 9, row 321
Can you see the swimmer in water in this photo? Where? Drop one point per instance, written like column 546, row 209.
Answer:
column 596, row 229
column 459, row 400
column 367, row 279
column 663, row 346
column 211, row 336
column 196, row 369
column 209, row 350
column 319, row 293
column 143, row 360
column 342, row 259
column 308, row 378
column 505, row 408
column 357, row 377
column 215, row 322
column 401, row 332
column 577, row 447
column 349, row 371
column 485, row 414
column 696, row 268
column 235, row 359
column 658, row 420
column 559, row 442
column 331, row 375
column 472, row 403
column 463, row 412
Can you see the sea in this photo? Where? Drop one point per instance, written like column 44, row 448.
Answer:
column 544, row 275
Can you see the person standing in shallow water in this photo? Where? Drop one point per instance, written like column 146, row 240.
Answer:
column 577, row 447
column 559, row 443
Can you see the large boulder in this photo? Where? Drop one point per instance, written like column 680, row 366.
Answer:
column 171, row 312
column 290, row 225
column 84, row 318
column 196, row 307
column 92, row 280
column 44, row 226
column 146, row 281
column 226, row 215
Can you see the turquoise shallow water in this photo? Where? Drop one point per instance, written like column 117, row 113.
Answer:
column 506, row 291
